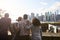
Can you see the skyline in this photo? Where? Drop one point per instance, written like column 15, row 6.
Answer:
column 17, row 8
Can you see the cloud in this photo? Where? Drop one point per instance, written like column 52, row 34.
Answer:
column 55, row 6
column 43, row 3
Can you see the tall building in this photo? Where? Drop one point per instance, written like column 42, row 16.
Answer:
column 52, row 17
column 41, row 17
column 32, row 16
column 57, row 12
column 37, row 15
column 29, row 17
column 47, row 14
column 58, row 18
column 44, row 18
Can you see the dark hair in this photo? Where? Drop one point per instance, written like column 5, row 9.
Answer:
column 19, row 19
column 6, row 15
column 36, row 22
column 25, row 16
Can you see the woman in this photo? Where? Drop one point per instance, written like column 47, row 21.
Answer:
column 36, row 29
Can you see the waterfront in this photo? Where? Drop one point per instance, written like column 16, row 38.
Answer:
column 46, row 36
column 50, row 36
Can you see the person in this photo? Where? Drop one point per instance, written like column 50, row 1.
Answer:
column 4, row 25
column 51, row 29
column 19, row 19
column 35, row 29
column 17, row 30
column 24, row 33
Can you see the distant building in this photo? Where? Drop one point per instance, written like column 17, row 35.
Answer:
column 31, row 16
column 44, row 18
column 58, row 18
column 37, row 15
column 47, row 14
column 52, row 17
column 57, row 12
column 41, row 17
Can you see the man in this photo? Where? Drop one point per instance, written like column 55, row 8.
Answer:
column 24, row 33
column 4, row 25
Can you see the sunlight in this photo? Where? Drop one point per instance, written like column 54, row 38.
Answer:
column 15, row 10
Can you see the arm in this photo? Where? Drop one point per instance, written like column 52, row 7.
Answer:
column 41, row 32
column 28, row 26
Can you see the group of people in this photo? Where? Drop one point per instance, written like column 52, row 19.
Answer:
column 25, row 28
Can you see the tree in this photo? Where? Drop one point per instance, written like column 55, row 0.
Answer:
column 1, row 12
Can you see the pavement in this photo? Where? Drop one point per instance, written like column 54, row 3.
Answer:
column 50, row 34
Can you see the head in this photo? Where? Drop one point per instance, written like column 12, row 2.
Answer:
column 36, row 22
column 6, row 15
column 25, row 16
column 19, row 19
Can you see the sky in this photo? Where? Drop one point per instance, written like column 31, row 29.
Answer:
column 17, row 8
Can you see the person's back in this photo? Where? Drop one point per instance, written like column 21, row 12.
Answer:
column 36, row 29
column 23, row 30
column 24, row 33
column 4, row 24
column 36, row 32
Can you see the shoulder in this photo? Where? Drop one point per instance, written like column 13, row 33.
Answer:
column 2, row 19
column 9, row 18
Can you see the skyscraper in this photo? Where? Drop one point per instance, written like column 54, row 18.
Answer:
column 32, row 16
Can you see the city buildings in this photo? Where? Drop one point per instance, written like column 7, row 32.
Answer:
column 48, row 17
